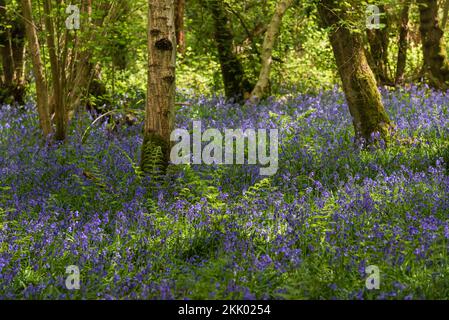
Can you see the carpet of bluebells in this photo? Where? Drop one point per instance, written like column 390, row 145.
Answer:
column 224, row 232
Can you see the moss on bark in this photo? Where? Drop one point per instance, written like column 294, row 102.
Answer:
column 359, row 83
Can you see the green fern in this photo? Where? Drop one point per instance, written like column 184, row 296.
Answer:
column 195, row 185
column 153, row 161
column 93, row 173
column 137, row 170
column 262, row 187
column 152, row 207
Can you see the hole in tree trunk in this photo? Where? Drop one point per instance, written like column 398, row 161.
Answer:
column 164, row 44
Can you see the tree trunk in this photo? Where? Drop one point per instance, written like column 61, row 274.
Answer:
column 41, row 85
column 7, row 57
column 5, row 47
column 445, row 15
column 12, row 44
column 180, row 33
column 81, row 70
column 160, row 109
column 378, row 42
column 235, row 83
column 435, row 58
column 57, row 99
column 403, row 43
column 359, row 84
column 261, row 88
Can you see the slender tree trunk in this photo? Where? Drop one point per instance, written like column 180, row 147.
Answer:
column 80, row 70
column 5, row 46
column 78, row 67
column 403, row 43
column 435, row 57
column 12, row 44
column 38, row 70
column 235, row 83
column 160, row 109
column 58, row 100
column 359, row 83
column 180, row 32
column 3, row 43
column 18, row 50
column 445, row 15
column 7, row 57
column 261, row 88
column 379, row 42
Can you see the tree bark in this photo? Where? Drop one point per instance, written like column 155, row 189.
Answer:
column 5, row 46
column 235, row 83
column 160, row 109
column 378, row 42
column 261, row 88
column 12, row 45
column 435, row 57
column 57, row 99
column 359, row 83
column 403, row 43
column 41, row 85
column 7, row 57
column 445, row 15
column 180, row 32
column 81, row 70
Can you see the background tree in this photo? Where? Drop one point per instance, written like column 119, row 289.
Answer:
column 38, row 68
column 435, row 56
column 71, row 55
column 236, row 84
column 403, row 42
column 12, row 53
column 55, row 66
column 271, row 35
column 445, row 15
column 379, row 40
column 180, row 32
column 359, row 84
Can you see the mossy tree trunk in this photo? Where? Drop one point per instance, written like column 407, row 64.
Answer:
column 160, row 109
column 445, row 15
column 236, row 85
column 359, row 84
column 435, row 57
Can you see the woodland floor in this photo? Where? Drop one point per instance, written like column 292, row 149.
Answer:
column 224, row 232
